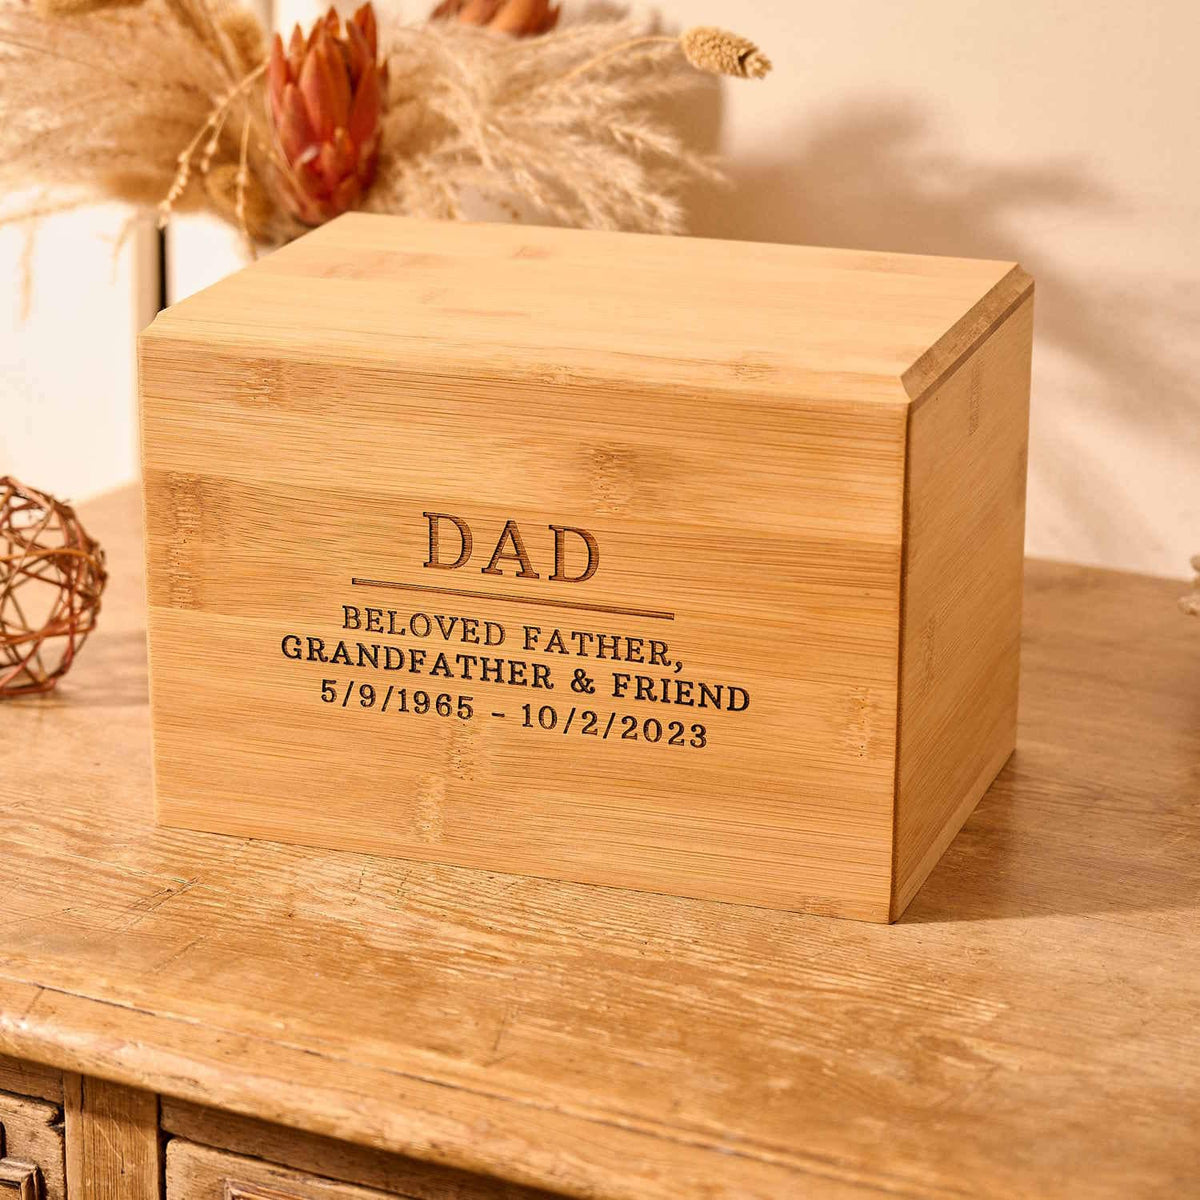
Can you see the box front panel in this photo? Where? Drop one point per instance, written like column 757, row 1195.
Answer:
column 642, row 641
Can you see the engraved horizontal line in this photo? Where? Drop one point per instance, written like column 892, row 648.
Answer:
column 544, row 601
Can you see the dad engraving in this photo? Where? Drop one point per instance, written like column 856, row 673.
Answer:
column 448, row 554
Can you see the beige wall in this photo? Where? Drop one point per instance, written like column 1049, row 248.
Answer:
column 73, row 299
column 1062, row 133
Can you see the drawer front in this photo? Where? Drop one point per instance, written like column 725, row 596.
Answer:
column 244, row 1145
column 31, row 1149
column 202, row 1173
column 19, row 1180
column 23, row 1078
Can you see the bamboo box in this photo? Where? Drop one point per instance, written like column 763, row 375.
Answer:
column 680, row 565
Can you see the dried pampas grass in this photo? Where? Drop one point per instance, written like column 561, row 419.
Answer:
column 163, row 103
column 560, row 126
column 246, row 36
column 72, row 8
column 97, row 105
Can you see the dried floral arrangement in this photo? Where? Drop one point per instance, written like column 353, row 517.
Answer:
column 188, row 104
column 1191, row 602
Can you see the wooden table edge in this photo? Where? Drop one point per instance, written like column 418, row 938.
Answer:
column 570, row 1151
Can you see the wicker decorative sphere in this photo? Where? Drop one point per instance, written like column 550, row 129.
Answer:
column 51, row 577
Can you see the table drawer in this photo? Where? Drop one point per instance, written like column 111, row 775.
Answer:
column 202, row 1173
column 211, row 1151
column 31, row 1149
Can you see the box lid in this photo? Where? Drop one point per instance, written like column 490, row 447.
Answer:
column 586, row 308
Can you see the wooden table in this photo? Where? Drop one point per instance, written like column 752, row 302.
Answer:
column 1031, row 1028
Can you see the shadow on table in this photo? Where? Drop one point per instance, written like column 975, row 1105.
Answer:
column 1098, row 812
column 109, row 672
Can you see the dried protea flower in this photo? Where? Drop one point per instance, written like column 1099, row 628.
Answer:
column 519, row 17
column 326, row 95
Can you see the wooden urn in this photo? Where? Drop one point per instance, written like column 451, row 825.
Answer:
column 681, row 565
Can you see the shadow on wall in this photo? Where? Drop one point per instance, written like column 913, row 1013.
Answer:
column 866, row 176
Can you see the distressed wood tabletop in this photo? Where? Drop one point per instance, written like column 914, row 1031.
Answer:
column 1031, row 1027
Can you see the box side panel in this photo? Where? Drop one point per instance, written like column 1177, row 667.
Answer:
column 963, row 562
column 711, row 713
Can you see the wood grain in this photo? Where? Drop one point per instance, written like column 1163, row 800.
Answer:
column 1031, row 1027
column 745, row 497
column 963, row 564
column 113, row 1147
column 31, row 1133
column 639, row 315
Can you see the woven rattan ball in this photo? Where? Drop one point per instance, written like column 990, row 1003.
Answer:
column 51, row 577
